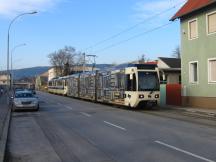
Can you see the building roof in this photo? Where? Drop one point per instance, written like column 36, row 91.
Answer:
column 45, row 74
column 191, row 6
column 171, row 62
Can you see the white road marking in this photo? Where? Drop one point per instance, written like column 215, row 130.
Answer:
column 115, row 125
column 48, row 106
column 68, row 107
column 85, row 114
column 183, row 151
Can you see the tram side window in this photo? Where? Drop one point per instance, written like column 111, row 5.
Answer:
column 106, row 80
column 120, row 80
column 50, row 83
column 99, row 81
column 131, row 83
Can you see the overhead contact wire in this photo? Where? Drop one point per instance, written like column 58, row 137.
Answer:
column 133, row 37
column 134, row 26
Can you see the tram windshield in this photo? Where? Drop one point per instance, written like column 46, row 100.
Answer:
column 148, row 81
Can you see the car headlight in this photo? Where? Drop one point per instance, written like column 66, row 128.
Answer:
column 17, row 102
column 141, row 96
column 35, row 102
column 157, row 96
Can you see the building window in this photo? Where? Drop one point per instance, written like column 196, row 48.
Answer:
column 193, row 29
column 193, row 72
column 212, row 70
column 211, row 23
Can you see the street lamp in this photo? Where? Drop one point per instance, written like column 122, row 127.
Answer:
column 8, row 41
column 12, row 51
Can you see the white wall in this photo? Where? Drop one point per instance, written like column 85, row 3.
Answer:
column 51, row 74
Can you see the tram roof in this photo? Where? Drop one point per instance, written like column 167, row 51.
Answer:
column 139, row 66
column 148, row 66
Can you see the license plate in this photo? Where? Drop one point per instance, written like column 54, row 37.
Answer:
column 26, row 103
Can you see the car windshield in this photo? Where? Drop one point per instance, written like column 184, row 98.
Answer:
column 148, row 81
column 23, row 95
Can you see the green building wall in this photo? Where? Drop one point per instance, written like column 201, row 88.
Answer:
column 200, row 49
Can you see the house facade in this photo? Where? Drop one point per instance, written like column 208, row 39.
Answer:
column 3, row 78
column 41, row 81
column 170, row 70
column 51, row 73
column 198, row 50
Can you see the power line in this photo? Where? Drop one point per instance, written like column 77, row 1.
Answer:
column 134, row 26
column 133, row 37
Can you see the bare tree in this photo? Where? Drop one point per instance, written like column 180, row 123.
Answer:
column 62, row 60
column 143, row 59
column 80, row 59
column 176, row 52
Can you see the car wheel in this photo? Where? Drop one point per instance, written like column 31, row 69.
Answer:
column 12, row 108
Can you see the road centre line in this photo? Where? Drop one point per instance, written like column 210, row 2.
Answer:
column 114, row 125
column 183, row 151
column 68, row 107
column 85, row 114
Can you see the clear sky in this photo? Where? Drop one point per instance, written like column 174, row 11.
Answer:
column 82, row 23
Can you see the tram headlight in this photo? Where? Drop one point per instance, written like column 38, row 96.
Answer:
column 141, row 96
column 157, row 96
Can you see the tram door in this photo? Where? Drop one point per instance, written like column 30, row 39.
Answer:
column 131, row 90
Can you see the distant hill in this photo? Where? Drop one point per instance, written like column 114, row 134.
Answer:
column 34, row 71
column 101, row 66
column 30, row 72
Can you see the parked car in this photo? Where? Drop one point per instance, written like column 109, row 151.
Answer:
column 32, row 90
column 18, row 89
column 24, row 100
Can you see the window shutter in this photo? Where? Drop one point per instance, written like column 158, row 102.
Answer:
column 193, row 29
column 212, row 70
column 212, row 23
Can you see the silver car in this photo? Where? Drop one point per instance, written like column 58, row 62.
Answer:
column 24, row 100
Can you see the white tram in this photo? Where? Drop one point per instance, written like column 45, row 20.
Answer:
column 58, row 86
column 132, row 85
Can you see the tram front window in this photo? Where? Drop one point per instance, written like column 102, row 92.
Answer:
column 148, row 81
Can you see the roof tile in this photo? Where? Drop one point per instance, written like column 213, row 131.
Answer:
column 171, row 62
column 191, row 6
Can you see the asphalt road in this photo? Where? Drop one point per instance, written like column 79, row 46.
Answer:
column 72, row 130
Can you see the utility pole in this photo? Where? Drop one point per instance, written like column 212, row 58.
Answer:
column 84, row 62
column 94, row 59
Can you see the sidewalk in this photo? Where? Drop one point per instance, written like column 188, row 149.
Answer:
column 4, row 125
column 201, row 112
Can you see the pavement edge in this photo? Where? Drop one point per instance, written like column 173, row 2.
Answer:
column 4, row 138
column 191, row 111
